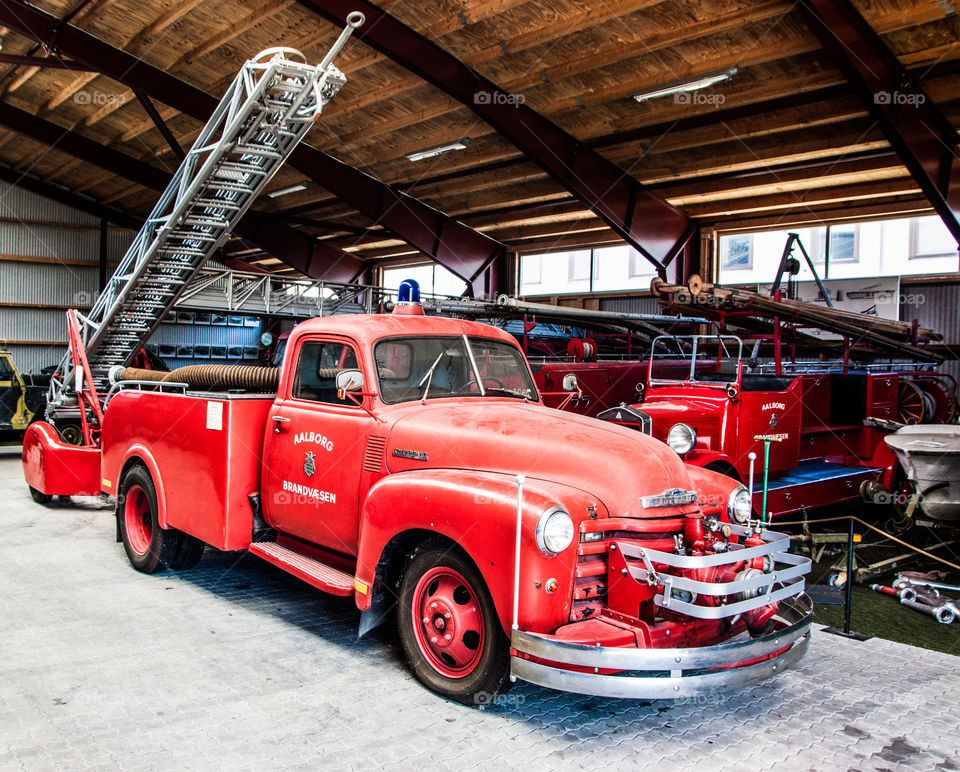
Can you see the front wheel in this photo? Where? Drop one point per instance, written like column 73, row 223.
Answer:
column 449, row 628
column 149, row 547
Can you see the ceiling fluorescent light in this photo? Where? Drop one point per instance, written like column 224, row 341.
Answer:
column 287, row 190
column 683, row 86
column 431, row 152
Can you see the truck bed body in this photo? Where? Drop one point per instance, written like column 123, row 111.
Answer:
column 205, row 451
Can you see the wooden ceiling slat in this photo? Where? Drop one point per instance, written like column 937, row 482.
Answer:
column 572, row 98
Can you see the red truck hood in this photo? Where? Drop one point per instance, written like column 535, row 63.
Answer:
column 616, row 465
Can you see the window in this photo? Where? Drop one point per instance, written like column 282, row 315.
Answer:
column 640, row 266
column 317, row 369
column 844, row 243
column 394, row 359
column 929, row 237
column 438, row 367
column 433, row 279
column 736, row 253
column 530, row 271
column 578, row 265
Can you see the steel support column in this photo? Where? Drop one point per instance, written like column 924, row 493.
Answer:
column 293, row 247
column 457, row 247
column 916, row 128
column 654, row 227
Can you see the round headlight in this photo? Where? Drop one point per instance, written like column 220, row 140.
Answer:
column 681, row 438
column 554, row 531
column 740, row 505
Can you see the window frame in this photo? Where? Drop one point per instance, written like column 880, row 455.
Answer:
column 307, row 340
column 535, row 399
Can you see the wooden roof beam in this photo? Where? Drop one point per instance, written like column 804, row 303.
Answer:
column 924, row 139
column 655, row 229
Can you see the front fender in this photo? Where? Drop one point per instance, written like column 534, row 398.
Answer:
column 713, row 489
column 701, row 457
column 478, row 511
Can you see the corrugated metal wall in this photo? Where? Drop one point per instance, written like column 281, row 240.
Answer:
column 635, row 305
column 936, row 306
column 48, row 262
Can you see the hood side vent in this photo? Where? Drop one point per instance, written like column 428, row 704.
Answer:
column 374, row 453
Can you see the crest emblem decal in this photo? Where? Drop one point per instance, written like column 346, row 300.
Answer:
column 309, row 464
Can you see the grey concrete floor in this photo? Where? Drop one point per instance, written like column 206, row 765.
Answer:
column 234, row 664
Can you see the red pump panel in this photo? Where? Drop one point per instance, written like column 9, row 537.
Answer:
column 55, row 468
column 205, row 451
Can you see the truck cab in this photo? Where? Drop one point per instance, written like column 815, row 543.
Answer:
column 702, row 401
column 408, row 462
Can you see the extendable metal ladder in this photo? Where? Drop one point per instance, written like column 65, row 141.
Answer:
column 264, row 114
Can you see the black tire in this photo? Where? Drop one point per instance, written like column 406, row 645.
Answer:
column 188, row 553
column 40, row 498
column 149, row 547
column 472, row 668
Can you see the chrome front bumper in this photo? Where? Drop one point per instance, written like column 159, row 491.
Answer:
column 665, row 673
column 783, row 581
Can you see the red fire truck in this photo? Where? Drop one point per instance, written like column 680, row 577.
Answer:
column 408, row 462
column 825, row 429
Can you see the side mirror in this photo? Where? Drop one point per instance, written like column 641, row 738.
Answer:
column 349, row 380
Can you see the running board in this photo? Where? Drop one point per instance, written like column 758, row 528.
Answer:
column 320, row 575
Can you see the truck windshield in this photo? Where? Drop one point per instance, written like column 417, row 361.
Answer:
column 422, row 368
column 695, row 358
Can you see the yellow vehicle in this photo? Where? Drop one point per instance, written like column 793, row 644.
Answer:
column 21, row 397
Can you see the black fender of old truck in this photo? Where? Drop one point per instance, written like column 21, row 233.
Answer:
column 475, row 512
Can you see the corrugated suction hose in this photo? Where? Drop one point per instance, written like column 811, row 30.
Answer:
column 256, row 379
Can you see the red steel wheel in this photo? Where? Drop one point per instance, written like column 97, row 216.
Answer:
column 137, row 519
column 448, row 621
column 149, row 547
column 449, row 627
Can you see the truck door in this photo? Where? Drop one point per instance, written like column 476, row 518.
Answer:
column 312, row 463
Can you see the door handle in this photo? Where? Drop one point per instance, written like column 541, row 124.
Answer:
column 279, row 419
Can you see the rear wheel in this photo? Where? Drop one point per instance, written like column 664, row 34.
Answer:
column 149, row 547
column 188, row 553
column 40, row 498
column 449, row 628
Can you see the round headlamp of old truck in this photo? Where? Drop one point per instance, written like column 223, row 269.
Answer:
column 740, row 505
column 554, row 531
column 681, row 438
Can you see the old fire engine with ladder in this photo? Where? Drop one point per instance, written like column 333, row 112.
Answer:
column 264, row 114
column 364, row 464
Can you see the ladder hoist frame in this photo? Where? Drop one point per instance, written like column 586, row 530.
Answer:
column 264, row 114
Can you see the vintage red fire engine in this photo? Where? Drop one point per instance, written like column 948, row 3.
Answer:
column 407, row 462
column 825, row 429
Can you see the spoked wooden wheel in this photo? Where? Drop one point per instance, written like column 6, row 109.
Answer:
column 911, row 405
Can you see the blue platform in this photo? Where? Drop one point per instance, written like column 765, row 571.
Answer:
column 811, row 472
